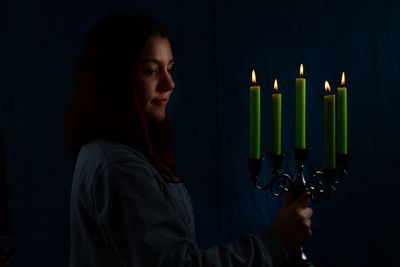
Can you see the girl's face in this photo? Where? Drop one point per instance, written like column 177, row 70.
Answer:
column 154, row 81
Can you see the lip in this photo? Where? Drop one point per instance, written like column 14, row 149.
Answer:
column 160, row 101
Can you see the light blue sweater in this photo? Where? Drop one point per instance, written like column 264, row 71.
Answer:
column 123, row 213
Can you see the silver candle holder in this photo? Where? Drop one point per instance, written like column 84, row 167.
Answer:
column 321, row 184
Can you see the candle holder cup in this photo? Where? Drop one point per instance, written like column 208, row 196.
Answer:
column 320, row 184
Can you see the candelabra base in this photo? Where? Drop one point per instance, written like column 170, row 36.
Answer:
column 298, row 259
column 298, row 264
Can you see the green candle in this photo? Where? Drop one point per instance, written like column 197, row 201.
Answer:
column 255, row 119
column 276, row 121
column 342, row 117
column 300, row 111
column 329, row 130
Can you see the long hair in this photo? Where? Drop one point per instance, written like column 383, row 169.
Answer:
column 104, row 104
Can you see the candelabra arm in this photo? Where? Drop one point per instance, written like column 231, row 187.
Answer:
column 281, row 182
column 254, row 166
column 320, row 184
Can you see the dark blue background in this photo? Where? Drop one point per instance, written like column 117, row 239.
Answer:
column 217, row 44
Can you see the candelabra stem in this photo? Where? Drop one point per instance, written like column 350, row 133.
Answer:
column 319, row 184
column 299, row 182
column 298, row 257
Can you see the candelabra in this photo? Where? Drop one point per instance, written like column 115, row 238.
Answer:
column 320, row 184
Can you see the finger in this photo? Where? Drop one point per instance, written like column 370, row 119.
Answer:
column 309, row 233
column 307, row 223
column 306, row 212
column 307, row 228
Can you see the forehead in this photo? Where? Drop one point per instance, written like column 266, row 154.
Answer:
column 158, row 48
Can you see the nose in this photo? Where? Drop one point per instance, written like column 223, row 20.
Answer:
column 166, row 83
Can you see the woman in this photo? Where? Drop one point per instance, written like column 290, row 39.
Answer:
column 127, row 206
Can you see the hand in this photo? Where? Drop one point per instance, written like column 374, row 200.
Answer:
column 293, row 222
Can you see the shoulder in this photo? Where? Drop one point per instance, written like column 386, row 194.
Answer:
column 111, row 153
column 101, row 156
column 122, row 168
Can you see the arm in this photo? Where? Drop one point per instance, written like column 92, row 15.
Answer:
column 144, row 230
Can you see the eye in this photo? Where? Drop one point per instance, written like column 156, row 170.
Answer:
column 170, row 69
column 150, row 71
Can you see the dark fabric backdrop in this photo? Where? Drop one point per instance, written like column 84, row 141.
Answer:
column 217, row 44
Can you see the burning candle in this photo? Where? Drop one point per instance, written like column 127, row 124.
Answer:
column 342, row 117
column 329, row 129
column 300, row 115
column 255, row 120
column 276, row 121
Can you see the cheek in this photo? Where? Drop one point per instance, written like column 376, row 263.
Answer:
column 143, row 93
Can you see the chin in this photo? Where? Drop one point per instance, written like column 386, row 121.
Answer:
column 158, row 117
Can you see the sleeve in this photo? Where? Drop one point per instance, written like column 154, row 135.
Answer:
column 144, row 229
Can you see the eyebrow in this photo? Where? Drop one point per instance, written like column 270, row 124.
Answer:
column 146, row 60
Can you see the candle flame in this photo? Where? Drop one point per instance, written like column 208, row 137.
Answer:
column 327, row 87
column 276, row 85
column 301, row 70
column 343, row 79
column 253, row 77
